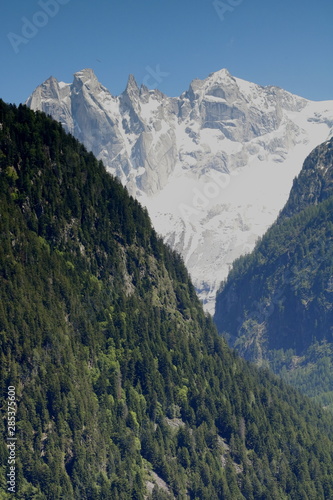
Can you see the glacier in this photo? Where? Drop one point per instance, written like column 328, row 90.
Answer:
column 213, row 166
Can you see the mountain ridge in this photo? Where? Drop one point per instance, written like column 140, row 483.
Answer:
column 213, row 166
column 276, row 305
column 314, row 183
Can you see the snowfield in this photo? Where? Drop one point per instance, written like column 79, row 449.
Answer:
column 213, row 167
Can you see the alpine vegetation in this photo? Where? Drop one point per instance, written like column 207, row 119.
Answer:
column 120, row 384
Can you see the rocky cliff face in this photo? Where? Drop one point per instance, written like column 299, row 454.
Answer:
column 213, row 166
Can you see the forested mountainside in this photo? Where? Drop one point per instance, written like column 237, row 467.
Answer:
column 314, row 183
column 276, row 306
column 124, row 388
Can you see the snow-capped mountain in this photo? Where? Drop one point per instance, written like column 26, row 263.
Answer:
column 213, row 166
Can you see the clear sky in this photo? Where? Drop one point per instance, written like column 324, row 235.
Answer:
column 166, row 44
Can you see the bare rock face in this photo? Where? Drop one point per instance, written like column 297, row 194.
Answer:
column 53, row 98
column 213, row 167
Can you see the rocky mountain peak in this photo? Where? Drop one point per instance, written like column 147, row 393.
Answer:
column 85, row 75
column 131, row 86
column 86, row 79
column 47, row 90
column 213, row 166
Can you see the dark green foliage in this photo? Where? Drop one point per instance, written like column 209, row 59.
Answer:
column 276, row 307
column 122, row 381
column 315, row 182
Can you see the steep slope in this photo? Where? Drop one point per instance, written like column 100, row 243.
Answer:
column 315, row 182
column 277, row 304
column 123, row 385
column 213, row 166
column 124, row 389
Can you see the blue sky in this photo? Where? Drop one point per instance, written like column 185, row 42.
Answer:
column 167, row 43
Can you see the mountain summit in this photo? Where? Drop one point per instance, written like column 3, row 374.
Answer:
column 213, row 166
